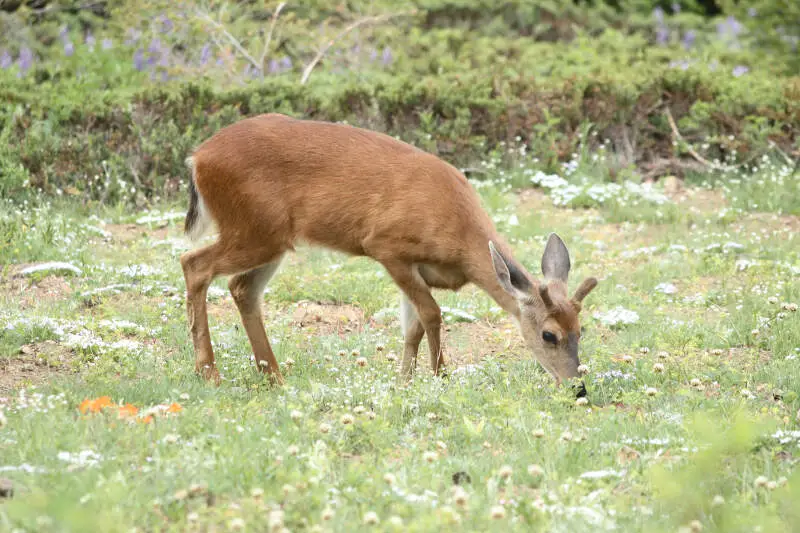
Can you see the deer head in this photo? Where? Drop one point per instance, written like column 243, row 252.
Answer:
column 548, row 317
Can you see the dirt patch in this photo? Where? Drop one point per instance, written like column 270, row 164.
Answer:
column 703, row 200
column 327, row 318
column 222, row 311
column 35, row 364
column 25, row 293
column 467, row 344
column 130, row 232
column 533, row 200
column 769, row 222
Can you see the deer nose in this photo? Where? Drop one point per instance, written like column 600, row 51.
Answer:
column 580, row 390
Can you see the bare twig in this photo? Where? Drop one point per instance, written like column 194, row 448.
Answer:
column 269, row 35
column 135, row 176
column 789, row 160
column 698, row 157
column 348, row 29
column 630, row 152
column 692, row 152
column 660, row 167
column 72, row 9
column 234, row 41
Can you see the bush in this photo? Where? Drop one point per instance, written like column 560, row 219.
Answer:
column 108, row 108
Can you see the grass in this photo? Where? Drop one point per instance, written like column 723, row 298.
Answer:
column 693, row 412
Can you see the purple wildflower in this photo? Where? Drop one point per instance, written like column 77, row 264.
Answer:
column 373, row 54
column 386, row 57
column 662, row 35
column 133, row 36
column 69, row 48
column 205, row 54
column 740, row 70
column 682, row 64
column 25, row 59
column 63, row 33
column 90, row 40
column 688, row 39
column 274, row 67
column 676, row 7
column 155, row 46
column 107, row 44
column 164, row 60
column 730, row 26
column 286, row 63
column 735, row 26
column 658, row 13
column 166, row 24
column 6, row 60
column 155, row 51
column 248, row 71
column 138, row 59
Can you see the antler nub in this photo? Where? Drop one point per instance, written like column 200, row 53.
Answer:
column 584, row 289
column 545, row 295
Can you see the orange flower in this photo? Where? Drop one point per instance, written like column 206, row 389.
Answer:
column 96, row 405
column 127, row 410
column 146, row 419
column 174, row 408
column 102, row 402
column 85, row 405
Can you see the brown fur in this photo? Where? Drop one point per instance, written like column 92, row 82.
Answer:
column 271, row 181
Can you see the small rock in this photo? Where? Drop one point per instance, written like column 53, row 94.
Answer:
column 672, row 185
column 385, row 315
column 53, row 267
column 460, row 477
column 6, row 488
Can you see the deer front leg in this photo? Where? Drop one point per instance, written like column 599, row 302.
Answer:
column 428, row 314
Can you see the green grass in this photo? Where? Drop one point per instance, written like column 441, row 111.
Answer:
column 628, row 461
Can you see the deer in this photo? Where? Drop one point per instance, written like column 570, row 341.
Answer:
column 271, row 182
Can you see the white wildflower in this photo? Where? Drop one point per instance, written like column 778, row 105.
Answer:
column 371, row 518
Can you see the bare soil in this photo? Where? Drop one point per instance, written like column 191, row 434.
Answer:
column 36, row 363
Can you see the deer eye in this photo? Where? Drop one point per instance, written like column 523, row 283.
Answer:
column 550, row 337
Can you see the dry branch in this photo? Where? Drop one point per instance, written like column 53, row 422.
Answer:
column 700, row 159
column 234, row 41
column 692, row 152
column 322, row 51
column 268, row 40
column 660, row 167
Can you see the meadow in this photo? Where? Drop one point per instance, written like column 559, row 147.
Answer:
column 675, row 185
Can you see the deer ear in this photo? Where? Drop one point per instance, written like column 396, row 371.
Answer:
column 555, row 259
column 510, row 277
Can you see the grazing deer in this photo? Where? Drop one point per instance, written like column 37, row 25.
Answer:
column 269, row 182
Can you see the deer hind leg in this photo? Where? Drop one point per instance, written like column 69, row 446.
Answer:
column 247, row 289
column 200, row 268
column 413, row 333
column 198, row 273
